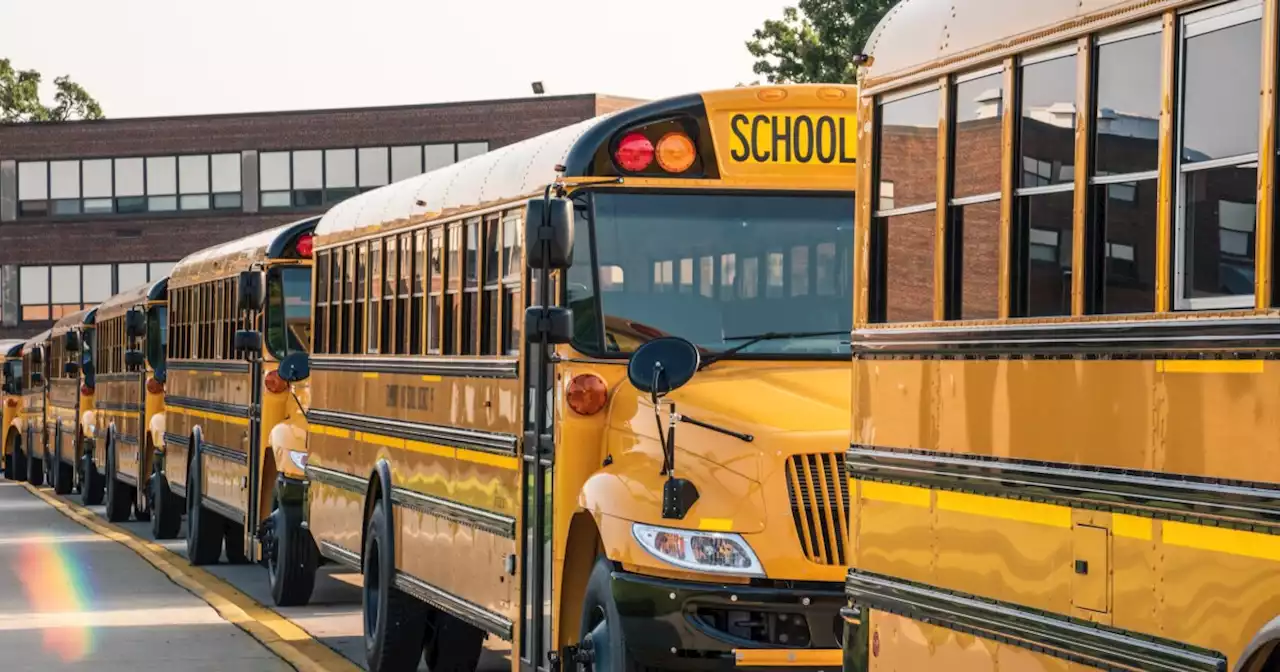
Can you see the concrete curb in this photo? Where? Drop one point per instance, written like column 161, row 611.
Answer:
column 283, row 637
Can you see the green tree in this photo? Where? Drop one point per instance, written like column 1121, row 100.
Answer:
column 816, row 41
column 20, row 98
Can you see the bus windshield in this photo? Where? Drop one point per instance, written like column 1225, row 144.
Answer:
column 289, row 310
column 157, row 336
column 717, row 269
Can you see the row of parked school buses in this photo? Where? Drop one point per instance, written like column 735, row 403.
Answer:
column 643, row 392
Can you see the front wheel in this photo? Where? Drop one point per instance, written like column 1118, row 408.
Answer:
column 601, row 625
column 35, row 469
column 395, row 624
column 166, row 514
column 452, row 645
column 119, row 501
column 204, row 527
column 62, row 473
column 291, row 554
column 92, row 485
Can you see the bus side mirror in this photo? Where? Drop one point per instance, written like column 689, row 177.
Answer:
column 555, row 322
column 294, row 367
column 252, row 293
column 133, row 360
column 549, row 234
column 71, row 369
column 135, row 323
column 37, row 378
column 71, row 341
column 248, row 341
column 663, row 365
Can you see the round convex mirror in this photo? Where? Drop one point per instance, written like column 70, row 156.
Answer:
column 663, row 365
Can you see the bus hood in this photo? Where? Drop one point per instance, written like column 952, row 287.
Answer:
column 788, row 409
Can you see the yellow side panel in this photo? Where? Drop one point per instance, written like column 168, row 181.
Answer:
column 901, row 645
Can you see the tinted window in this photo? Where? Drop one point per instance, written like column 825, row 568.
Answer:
column 725, row 240
column 289, row 311
column 909, row 151
column 1128, row 99
column 978, row 135
column 1048, row 122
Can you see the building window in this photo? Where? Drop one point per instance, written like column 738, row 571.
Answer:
column 314, row 178
column 51, row 292
column 1218, row 158
column 128, row 185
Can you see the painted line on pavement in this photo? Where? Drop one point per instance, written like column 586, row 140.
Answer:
column 283, row 637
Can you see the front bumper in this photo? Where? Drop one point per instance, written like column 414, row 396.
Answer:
column 682, row 625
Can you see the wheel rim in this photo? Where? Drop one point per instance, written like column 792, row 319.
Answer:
column 597, row 639
column 372, row 596
column 271, row 542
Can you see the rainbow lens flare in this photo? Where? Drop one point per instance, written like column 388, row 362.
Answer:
column 54, row 584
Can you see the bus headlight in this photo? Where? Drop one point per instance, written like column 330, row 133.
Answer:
column 719, row 552
column 299, row 459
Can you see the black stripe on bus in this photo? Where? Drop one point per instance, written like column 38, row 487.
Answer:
column 450, row 367
column 492, row 623
column 127, row 377
column 221, row 508
column 202, row 366
column 489, row 442
column 1227, row 503
column 221, row 408
column 1051, row 634
column 1166, row 339
column 222, row 452
column 126, row 439
column 176, row 440
column 112, row 406
column 475, row 518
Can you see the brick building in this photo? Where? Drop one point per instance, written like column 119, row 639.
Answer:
column 88, row 209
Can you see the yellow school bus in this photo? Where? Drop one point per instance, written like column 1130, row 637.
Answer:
column 234, row 431
column 478, row 501
column 27, row 436
column 1064, row 450
column 11, row 393
column 70, row 396
column 127, row 427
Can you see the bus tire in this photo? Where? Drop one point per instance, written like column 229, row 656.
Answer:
column 395, row 624
column 293, row 558
column 19, row 459
column 166, row 518
column 63, row 477
column 233, row 540
column 118, row 503
column 453, row 645
column 602, row 623
column 92, row 486
column 35, row 469
column 204, row 527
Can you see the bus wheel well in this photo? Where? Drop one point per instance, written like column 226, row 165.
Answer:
column 581, row 549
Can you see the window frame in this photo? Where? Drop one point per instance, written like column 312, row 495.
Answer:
column 1218, row 17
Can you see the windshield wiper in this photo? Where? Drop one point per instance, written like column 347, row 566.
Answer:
column 760, row 338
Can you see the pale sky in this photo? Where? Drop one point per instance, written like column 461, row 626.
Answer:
column 165, row 57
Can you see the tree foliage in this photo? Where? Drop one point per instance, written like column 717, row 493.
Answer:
column 816, row 41
column 20, row 98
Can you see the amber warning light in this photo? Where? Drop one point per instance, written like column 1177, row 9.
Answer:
column 587, row 394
